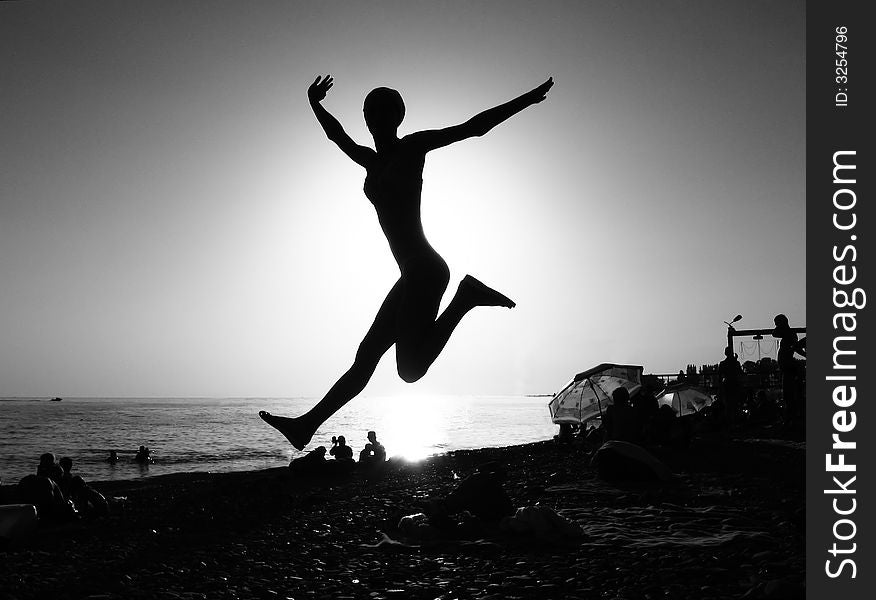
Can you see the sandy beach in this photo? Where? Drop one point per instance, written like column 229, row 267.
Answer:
column 730, row 525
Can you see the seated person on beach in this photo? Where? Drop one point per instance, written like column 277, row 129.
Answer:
column 620, row 419
column 373, row 453
column 49, row 468
column 86, row 499
column 481, row 494
column 566, row 434
column 645, row 406
column 674, row 431
column 66, row 464
column 340, row 450
column 45, row 494
column 113, row 457
column 377, row 448
column 43, row 490
column 311, row 463
column 365, row 454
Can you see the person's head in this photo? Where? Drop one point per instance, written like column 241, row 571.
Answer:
column 66, row 463
column 368, row 447
column 621, row 396
column 342, row 441
column 728, row 351
column 783, row 328
column 384, row 110
column 47, row 459
column 372, row 437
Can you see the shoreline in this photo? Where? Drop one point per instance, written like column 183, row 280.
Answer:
column 181, row 474
column 729, row 524
column 180, row 443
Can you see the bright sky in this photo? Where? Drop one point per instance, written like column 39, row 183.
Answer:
column 173, row 222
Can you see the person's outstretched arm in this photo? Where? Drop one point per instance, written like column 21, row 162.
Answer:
column 483, row 122
column 332, row 127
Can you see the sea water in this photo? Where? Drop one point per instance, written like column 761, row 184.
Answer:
column 221, row 435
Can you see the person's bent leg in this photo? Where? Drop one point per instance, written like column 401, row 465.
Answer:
column 421, row 338
column 377, row 341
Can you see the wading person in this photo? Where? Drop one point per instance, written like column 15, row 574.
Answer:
column 409, row 316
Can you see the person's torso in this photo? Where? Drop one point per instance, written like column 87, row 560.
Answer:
column 393, row 185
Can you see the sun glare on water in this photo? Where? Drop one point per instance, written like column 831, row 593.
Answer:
column 412, row 428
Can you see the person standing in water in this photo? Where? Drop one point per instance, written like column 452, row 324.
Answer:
column 409, row 316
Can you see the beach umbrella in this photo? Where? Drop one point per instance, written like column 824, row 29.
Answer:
column 684, row 398
column 589, row 392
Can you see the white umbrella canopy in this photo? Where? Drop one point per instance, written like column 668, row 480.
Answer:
column 685, row 399
column 586, row 396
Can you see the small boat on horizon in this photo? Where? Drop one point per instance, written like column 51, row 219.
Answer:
column 56, row 399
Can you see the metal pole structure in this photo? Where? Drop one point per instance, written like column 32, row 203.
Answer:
column 731, row 333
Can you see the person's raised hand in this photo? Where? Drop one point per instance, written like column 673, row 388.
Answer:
column 540, row 93
column 319, row 88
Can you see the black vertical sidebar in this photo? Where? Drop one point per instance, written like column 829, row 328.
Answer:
column 840, row 227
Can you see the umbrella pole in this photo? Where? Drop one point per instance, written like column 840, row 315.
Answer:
column 598, row 403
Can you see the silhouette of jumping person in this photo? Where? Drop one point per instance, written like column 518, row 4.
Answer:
column 408, row 317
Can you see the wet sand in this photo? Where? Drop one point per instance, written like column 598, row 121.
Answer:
column 729, row 526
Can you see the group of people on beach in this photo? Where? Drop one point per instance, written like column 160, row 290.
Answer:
column 372, row 452
column 58, row 494
column 636, row 418
column 641, row 420
column 758, row 407
column 372, row 456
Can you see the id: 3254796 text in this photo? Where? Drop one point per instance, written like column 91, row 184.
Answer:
column 842, row 67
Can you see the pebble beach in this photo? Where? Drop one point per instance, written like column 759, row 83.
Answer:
column 728, row 525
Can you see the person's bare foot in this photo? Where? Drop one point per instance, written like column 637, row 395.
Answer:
column 479, row 294
column 295, row 430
